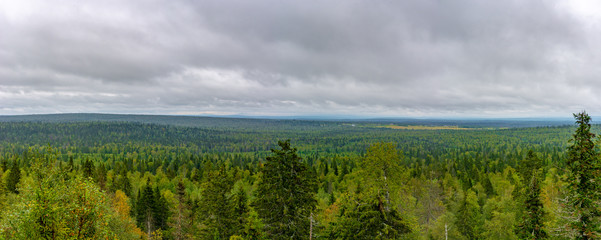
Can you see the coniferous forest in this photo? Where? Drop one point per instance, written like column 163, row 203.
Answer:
column 161, row 177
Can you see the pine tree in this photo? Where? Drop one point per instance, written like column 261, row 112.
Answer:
column 583, row 182
column 285, row 194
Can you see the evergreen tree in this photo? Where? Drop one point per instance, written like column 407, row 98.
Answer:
column 123, row 182
column 532, row 226
column 528, row 166
column 285, row 194
column 70, row 165
column 583, row 182
column 14, row 177
column 335, row 166
column 145, row 209
column 368, row 220
column 88, row 169
column 468, row 219
column 215, row 208
column 181, row 217
column 239, row 211
column 160, row 211
column 370, row 213
column 343, row 170
column 488, row 188
column 101, row 176
column 4, row 165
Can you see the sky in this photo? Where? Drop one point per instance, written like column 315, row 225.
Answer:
column 422, row 58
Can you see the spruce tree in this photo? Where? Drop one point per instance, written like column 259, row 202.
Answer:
column 239, row 211
column 285, row 194
column 532, row 226
column 181, row 218
column 532, row 213
column 88, row 169
column 145, row 209
column 70, row 165
column 215, row 208
column 583, row 182
column 123, row 182
column 14, row 177
column 370, row 213
column 101, row 176
column 528, row 166
column 468, row 215
column 160, row 211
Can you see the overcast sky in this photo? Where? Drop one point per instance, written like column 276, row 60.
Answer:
column 422, row 58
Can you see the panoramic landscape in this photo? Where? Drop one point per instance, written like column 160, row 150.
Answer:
column 257, row 120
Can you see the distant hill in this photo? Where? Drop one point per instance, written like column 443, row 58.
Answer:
column 267, row 122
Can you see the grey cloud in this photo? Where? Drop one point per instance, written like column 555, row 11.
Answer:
column 297, row 57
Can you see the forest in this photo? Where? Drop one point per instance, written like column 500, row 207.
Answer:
column 166, row 177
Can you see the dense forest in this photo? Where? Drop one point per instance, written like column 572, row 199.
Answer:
column 163, row 177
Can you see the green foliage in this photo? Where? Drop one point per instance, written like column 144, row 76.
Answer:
column 181, row 223
column 151, row 210
column 285, row 195
column 52, row 207
column 583, row 182
column 370, row 214
column 216, row 212
column 529, row 166
column 14, row 177
column 532, row 226
column 88, row 169
column 240, row 211
column 447, row 183
column 468, row 218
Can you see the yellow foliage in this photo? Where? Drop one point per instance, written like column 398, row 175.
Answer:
column 418, row 127
column 120, row 204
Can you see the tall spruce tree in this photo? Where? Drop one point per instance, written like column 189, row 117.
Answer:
column 14, row 177
column 239, row 206
column 88, row 169
column 468, row 221
column 151, row 210
column 181, row 218
column 285, row 194
column 215, row 210
column 532, row 213
column 532, row 226
column 531, row 164
column 583, row 182
column 371, row 213
column 160, row 210
column 144, row 209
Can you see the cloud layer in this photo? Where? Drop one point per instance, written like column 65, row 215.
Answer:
column 368, row 58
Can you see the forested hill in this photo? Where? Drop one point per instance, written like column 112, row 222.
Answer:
column 280, row 122
column 74, row 176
